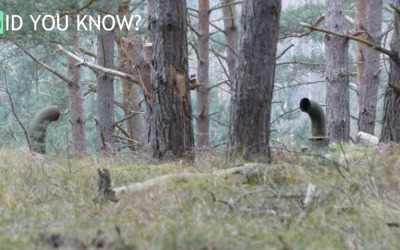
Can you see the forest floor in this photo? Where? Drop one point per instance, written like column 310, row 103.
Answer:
column 49, row 203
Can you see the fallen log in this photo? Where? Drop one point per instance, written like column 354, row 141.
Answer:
column 250, row 170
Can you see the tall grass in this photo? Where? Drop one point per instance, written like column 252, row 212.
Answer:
column 48, row 202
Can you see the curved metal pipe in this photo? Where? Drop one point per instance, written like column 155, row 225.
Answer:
column 37, row 132
column 317, row 117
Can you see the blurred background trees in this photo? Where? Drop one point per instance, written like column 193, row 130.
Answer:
column 37, row 73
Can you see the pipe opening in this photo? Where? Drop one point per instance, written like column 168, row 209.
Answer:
column 318, row 123
column 305, row 104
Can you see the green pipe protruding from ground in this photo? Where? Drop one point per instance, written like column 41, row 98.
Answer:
column 37, row 132
column 317, row 117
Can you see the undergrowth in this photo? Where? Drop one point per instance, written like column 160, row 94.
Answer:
column 49, row 202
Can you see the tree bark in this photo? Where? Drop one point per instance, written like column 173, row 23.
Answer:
column 203, row 109
column 124, row 66
column 172, row 130
column 232, row 36
column 105, row 90
column 140, row 68
column 149, row 12
column 254, row 80
column 77, row 112
column 361, row 25
column 128, row 56
column 391, row 109
column 369, row 88
column 337, row 78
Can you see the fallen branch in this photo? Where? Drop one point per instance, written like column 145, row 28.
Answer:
column 245, row 170
column 104, row 186
column 136, row 187
column 393, row 224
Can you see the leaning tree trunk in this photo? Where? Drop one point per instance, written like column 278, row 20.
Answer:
column 232, row 35
column 172, row 130
column 337, row 78
column 369, row 89
column 203, row 108
column 361, row 24
column 105, row 91
column 254, row 80
column 77, row 112
column 391, row 109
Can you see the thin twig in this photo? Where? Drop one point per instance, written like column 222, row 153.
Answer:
column 128, row 117
column 290, row 111
column 372, row 45
column 221, row 123
column 395, row 8
column 220, row 6
column 214, row 199
column 284, row 51
column 43, row 64
column 123, row 131
column 315, row 23
column 219, row 144
column 225, row 70
column 15, row 113
column 218, row 54
column 218, row 84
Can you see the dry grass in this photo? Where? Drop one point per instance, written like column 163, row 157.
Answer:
column 45, row 203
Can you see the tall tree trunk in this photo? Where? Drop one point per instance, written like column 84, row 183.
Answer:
column 391, row 109
column 369, row 89
column 254, row 80
column 232, row 35
column 147, row 52
column 337, row 78
column 140, row 68
column 147, row 55
column 203, row 108
column 131, row 92
column 361, row 25
column 172, row 130
column 105, row 90
column 76, row 100
column 124, row 66
column 138, row 121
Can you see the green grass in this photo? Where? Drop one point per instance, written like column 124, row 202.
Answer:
column 43, row 197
